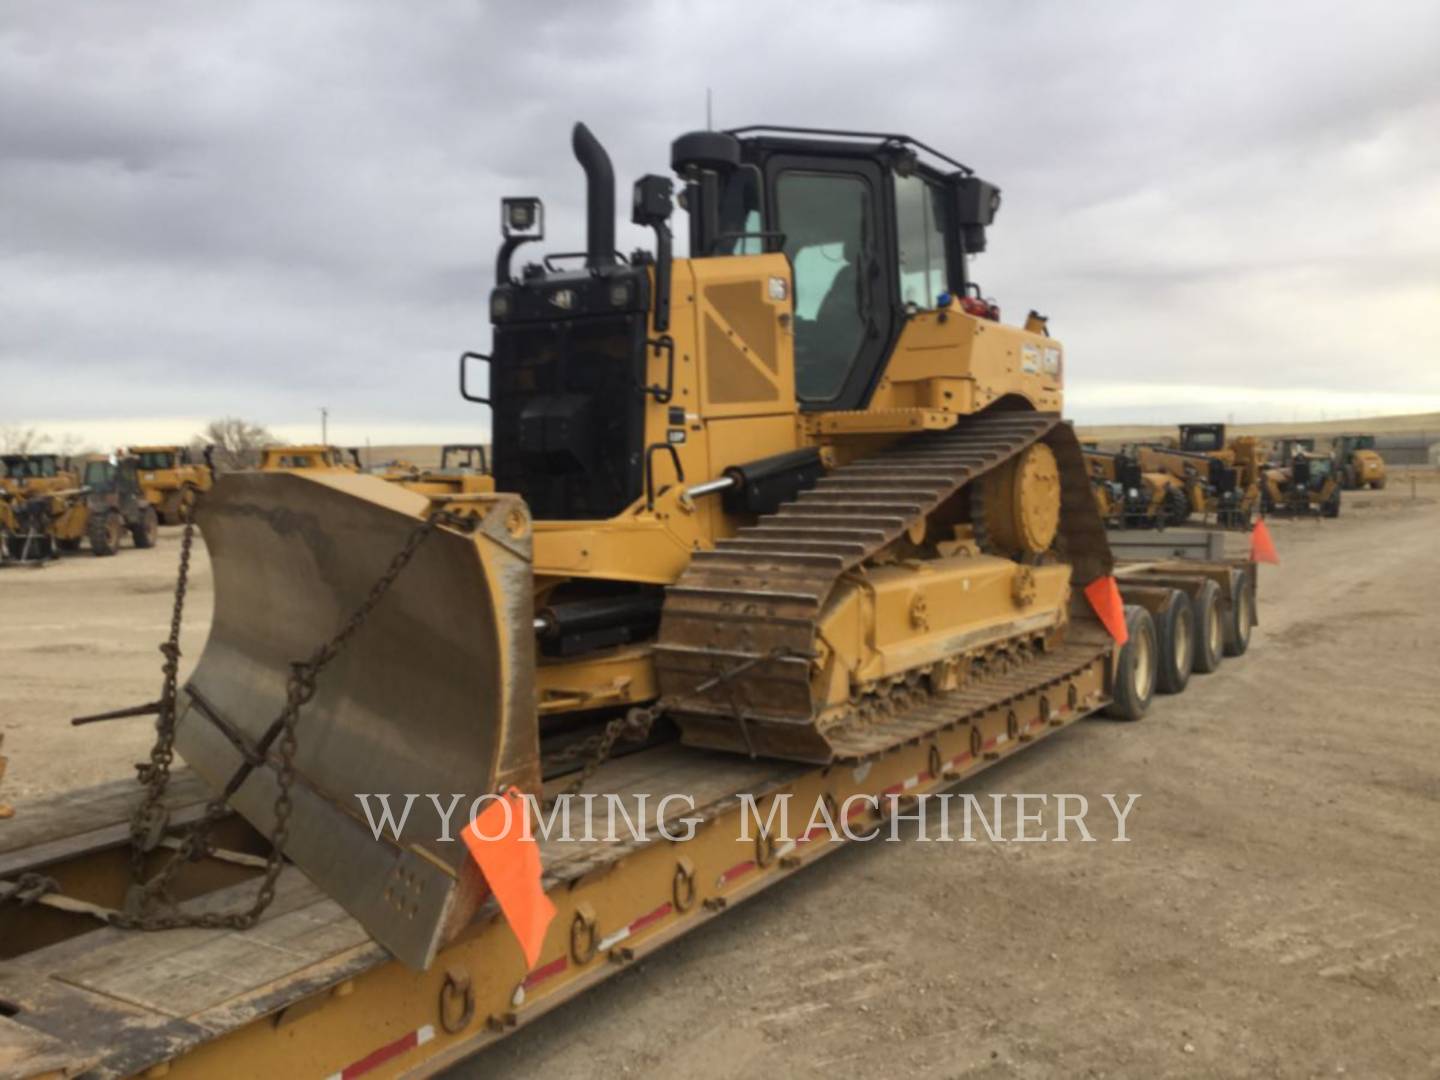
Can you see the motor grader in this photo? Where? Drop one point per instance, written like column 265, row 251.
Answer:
column 172, row 479
column 1360, row 464
column 1128, row 497
column 793, row 517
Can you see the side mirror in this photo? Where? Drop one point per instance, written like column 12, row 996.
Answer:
column 653, row 201
column 976, row 204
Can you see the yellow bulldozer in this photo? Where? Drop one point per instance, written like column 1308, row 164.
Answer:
column 1360, row 464
column 172, row 478
column 797, row 487
column 795, row 515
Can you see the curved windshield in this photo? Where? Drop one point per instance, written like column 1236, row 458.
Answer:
column 156, row 459
column 98, row 473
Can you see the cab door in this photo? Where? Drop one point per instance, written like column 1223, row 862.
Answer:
column 835, row 216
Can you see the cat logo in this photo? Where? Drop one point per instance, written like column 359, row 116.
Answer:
column 564, row 299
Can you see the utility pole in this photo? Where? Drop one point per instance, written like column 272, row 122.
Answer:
column 324, row 426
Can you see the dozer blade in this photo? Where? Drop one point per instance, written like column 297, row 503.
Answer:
column 434, row 693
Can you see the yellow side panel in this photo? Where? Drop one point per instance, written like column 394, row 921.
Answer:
column 963, row 364
column 744, row 327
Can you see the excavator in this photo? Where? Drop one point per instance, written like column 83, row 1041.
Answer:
column 795, row 513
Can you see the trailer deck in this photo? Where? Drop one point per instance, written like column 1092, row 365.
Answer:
column 307, row 992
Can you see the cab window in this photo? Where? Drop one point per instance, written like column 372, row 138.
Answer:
column 825, row 218
column 920, row 234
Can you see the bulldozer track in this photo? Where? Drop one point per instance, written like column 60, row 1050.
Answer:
column 765, row 589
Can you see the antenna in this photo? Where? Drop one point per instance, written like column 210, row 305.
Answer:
column 709, row 113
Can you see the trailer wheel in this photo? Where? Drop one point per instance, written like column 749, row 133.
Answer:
column 145, row 531
column 1175, row 631
column 1238, row 624
column 1209, row 627
column 105, row 531
column 1135, row 673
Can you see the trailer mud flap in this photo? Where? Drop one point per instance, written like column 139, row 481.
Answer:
column 433, row 693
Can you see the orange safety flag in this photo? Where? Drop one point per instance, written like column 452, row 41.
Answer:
column 500, row 843
column 1262, row 548
column 1104, row 597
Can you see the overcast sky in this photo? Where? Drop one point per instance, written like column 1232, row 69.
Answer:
column 262, row 208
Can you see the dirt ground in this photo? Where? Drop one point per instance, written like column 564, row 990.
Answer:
column 1275, row 913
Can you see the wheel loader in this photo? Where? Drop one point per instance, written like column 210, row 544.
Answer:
column 1128, row 497
column 108, row 503
column 309, row 457
column 35, row 474
column 1360, row 464
column 172, row 478
column 785, row 518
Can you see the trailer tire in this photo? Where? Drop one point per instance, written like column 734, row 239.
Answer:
column 145, row 531
column 1135, row 670
column 1175, row 633
column 104, row 531
column 1239, row 622
column 1209, row 627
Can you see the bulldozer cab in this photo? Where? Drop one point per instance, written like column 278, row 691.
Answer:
column 464, row 458
column 1202, row 438
column 874, row 227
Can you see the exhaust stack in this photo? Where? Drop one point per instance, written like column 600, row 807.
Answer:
column 599, row 197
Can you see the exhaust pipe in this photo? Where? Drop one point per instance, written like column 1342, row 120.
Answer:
column 599, row 197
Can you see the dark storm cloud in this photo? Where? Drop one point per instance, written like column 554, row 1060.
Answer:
column 265, row 207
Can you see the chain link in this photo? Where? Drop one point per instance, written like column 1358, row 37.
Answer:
column 152, row 907
column 637, row 722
